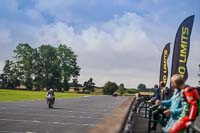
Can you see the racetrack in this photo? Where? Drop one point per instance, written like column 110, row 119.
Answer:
column 76, row 115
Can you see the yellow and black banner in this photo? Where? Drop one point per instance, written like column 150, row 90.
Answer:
column 182, row 47
column 163, row 64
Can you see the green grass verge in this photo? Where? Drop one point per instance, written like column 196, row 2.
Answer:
column 20, row 95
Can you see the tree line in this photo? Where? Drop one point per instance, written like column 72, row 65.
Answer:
column 51, row 67
column 42, row 67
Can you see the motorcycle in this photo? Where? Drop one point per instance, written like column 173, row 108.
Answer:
column 114, row 94
column 50, row 101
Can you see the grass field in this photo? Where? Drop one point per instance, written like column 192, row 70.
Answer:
column 146, row 93
column 20, row 95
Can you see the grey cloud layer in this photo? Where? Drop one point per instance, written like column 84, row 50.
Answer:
column 123, row 49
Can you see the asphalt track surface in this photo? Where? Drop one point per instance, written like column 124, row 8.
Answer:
column 76, row 115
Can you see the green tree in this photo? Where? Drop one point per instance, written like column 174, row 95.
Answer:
column 89, row 85
column 56, row 66
column 141, row 87
column 132, row 91
column 122, row 89
column 37, row 71
column 49, row 66
column 24, row 60
column 75, row 84
column 109, row 88
column 8, row 78
column 68, row 65
column 45, row 66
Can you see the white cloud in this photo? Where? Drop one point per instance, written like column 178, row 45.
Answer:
column 122, row 49
column 4, row 37
column 5, row 44
column 59, row 9
column 34, row 15
column 55, row 34
column 1, row 66
column 128, row 76
column 116, row 49
column 194, row 61
column 10, row 5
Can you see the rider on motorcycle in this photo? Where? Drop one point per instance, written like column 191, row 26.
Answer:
column 50, row 93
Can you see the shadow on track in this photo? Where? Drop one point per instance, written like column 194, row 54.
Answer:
column 59, row 108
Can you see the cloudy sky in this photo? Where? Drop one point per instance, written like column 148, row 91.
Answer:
column 117, row 40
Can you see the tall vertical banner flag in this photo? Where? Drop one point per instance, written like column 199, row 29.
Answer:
column 163, row 65
column 182, row 47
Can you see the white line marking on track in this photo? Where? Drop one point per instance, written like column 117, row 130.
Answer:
column 55, row 122
column 86, row 96
column 10, row 132
column 72, row 116
column 89, row 111
column 15, row 132
column 77, row 124
column 36, row 121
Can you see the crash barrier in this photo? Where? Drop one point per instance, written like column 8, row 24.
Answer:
column 116, row 121
column 128, row 128
column 147, row 107
column 139, row 103
column 161, row 119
